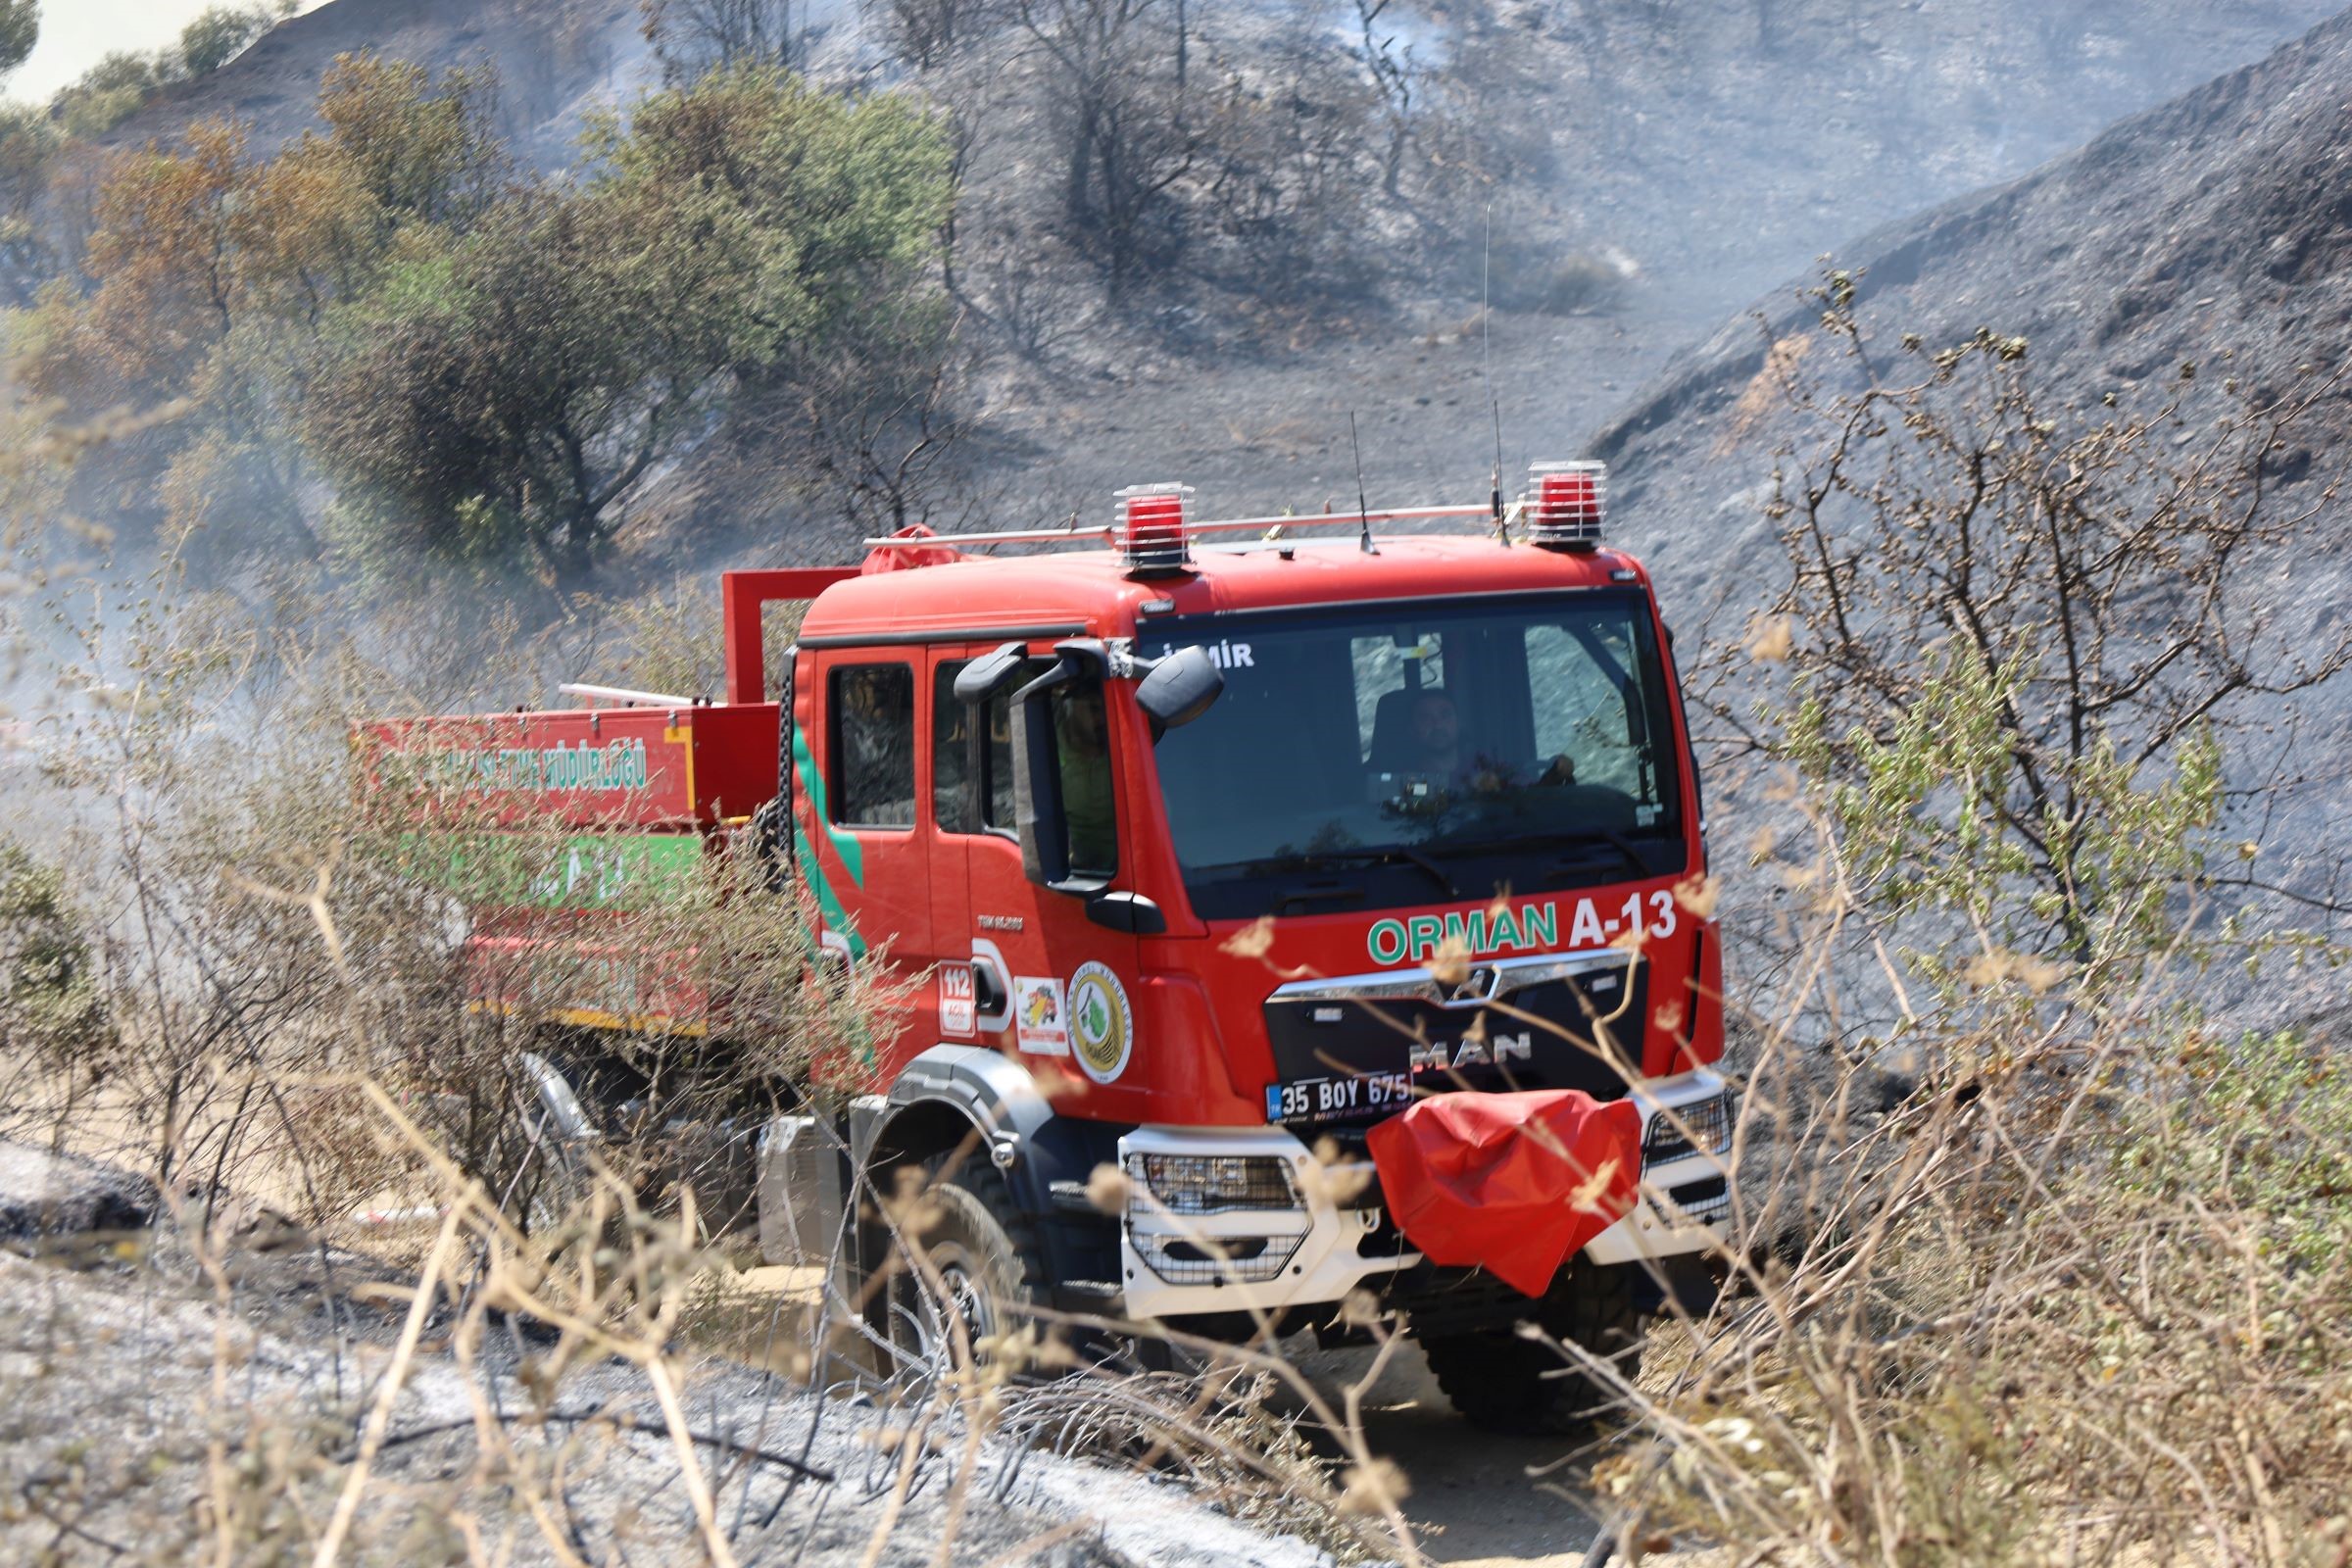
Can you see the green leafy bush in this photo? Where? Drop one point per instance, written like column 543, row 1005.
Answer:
column 29, row 140
column 94, row 112
column 509, row 387
column 20, row 31
column 484, row 366
column 223, row 32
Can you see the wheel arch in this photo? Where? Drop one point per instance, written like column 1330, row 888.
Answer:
column 950, row 1094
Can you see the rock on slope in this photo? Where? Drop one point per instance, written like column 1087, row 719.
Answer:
column 2220, row 220
column 44, row 1193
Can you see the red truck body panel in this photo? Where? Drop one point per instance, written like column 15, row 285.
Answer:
column 625, row 794
column 600, row 770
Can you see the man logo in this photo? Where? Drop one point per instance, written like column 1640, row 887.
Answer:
column 1496, row 1050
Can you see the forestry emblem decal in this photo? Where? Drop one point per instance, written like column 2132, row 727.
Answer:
column 1102, row 1025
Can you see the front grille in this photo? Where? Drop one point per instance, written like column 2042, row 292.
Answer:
column 1205, row 1260
column 1538, row 1035
column 1709, row 1122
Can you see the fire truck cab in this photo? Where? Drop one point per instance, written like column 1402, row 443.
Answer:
column 1214, row 848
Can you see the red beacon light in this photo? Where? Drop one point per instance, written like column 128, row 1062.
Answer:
column 1152, row 534
column 1563, row 511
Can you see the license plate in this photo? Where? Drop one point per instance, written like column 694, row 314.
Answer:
column 1313, row 1100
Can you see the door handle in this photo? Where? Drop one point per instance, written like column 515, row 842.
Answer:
column 987, row 995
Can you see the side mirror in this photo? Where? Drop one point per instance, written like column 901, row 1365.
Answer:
column 1040, row 815
column 988, row 674
column 1180, row 688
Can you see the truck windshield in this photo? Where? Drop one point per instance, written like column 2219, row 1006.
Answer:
column 1426, row 750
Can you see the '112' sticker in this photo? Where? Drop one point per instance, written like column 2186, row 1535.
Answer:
column 959, row 1008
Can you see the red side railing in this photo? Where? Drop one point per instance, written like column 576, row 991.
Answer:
column 741, row 594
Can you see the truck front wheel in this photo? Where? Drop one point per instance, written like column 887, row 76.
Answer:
column 968, row 1258
column 1505, row 1383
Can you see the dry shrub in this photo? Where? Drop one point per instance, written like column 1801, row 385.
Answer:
column 254, row 990
column 392, row 1308
column 2081, row 1294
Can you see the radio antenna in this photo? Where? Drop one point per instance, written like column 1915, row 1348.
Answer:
column 1363, row 508
column 1486, row 354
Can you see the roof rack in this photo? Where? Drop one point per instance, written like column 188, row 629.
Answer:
column 1560, row 511
column 1109, row 534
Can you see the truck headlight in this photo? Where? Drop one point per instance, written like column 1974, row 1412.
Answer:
column 1210, row 1184
column 1710, row 1131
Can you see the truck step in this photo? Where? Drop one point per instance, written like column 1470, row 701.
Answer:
column 1072, row 1196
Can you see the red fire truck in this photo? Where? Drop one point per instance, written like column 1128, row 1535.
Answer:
column 1208, row 845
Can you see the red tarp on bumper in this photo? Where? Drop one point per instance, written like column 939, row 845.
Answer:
column 1513, row 1184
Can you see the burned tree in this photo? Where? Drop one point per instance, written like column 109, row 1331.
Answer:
column 1121, row 110
column 1392, row 71
column 2023, row 632
column 694, row 36
column 927, row 34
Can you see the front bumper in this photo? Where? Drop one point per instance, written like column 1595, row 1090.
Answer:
column 1329, row 1240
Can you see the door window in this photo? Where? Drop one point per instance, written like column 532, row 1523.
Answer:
column 996, row 728
column 1082, row 751
column 873, row 744
column 953, row 755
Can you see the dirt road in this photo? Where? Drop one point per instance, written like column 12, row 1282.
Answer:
column 1485, row 1499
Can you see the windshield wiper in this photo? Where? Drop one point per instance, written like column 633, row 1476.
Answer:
column 1393, row 855
column 1555, row 840
column 1317, row 892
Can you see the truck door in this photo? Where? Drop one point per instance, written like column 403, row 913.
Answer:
column 872, row 866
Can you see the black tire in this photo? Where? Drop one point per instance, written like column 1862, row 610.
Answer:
column 981, row 1252
column 1504, row 1382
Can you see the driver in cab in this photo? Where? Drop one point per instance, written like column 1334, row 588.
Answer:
column 1441, row 758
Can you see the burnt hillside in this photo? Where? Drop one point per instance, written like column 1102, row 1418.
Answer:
column 2218, row 221
column 554, row 60
column 2212, row 231
column 1717, row 150
column 1689, row 158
